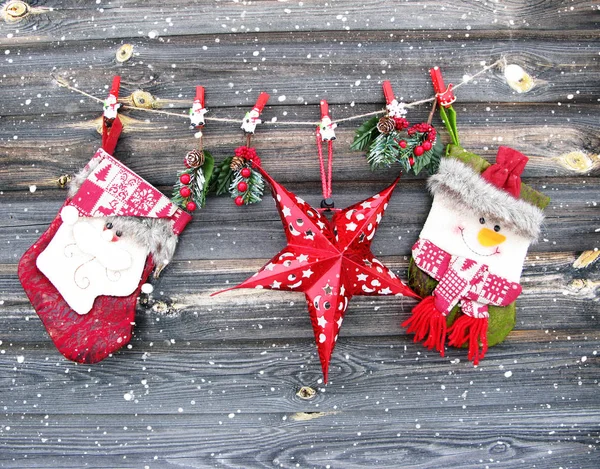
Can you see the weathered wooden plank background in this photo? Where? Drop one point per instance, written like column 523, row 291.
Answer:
column 213, row 382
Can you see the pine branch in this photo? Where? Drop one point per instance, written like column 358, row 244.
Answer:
column 383, row 151
column 256, row 186
column 365, row 134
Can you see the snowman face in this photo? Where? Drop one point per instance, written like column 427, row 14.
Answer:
column 466, row 233
column 88, row 257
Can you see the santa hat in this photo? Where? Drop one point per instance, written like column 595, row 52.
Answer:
column 495, row 193
column 111, row 189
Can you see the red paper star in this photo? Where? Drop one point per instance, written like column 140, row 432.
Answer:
column 329, row 261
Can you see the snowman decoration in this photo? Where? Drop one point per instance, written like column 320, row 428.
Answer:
column 473, row 243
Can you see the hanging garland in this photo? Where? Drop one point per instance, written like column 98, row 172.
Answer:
column 189, row 192
column 237, row 174
column 386, row 142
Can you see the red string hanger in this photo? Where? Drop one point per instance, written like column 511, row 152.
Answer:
column 326, row 133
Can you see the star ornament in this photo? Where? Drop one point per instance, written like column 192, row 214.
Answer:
column 330, row 261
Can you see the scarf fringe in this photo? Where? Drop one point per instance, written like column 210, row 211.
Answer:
column 428, row 323
column 474, row 330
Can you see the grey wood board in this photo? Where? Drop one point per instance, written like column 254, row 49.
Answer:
column 351, row 71
column 390, row 439
column 571, row 222
column 556, row 296
column 74, row 20
column 530, row 368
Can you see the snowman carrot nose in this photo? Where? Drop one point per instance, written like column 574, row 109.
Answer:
column 489, row 238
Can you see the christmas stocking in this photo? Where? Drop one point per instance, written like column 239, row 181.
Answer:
column 84, row 274
column 468, row 260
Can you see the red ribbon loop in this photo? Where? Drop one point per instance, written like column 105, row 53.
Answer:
column 506, row 172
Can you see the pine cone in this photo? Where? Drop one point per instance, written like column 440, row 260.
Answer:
column 386, row 125
column 194, row 159
column 237, row 162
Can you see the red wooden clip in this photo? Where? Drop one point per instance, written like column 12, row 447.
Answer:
column 116, row 84
column 111, row 124
column 388, row 92
column 200, row 95
column 324, row 109
column 445, row 96
column 261, row 101
column 326, row 127
column 251, row 119
column 197, row 111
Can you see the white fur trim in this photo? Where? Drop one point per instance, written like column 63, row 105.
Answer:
column 463, row 185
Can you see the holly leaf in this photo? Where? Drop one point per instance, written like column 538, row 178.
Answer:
column 421, row 161
column 437, row 152
column 207, row 169
column 221, row 177
column 365, row 134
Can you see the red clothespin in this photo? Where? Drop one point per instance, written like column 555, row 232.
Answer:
column 110, row 104
column 111, row 124
column 445, row 96
column 198, row 110
column 388, row 92
column 326, row 127
column 394, row 108
column 251, row 119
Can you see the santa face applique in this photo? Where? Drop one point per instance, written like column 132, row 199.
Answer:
column 475, row 235
column 89, row 257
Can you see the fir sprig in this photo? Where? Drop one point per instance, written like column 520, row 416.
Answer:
column 383, row 151
column 255, row 182
column 197, row 186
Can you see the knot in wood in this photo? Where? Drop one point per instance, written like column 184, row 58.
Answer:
column 306, row 392
column 15, row 10
column 143, row 99
column 124, row 53
column 63, row 180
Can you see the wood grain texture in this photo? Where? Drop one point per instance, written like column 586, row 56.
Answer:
column 213, row 382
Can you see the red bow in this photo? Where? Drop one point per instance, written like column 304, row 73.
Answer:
column 506, row 172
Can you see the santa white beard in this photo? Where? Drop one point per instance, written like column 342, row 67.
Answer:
column 82, row 262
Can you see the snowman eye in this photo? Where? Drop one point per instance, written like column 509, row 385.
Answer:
column 118, row 234
column 482, row 221
column 496, row 228
column 109, row 226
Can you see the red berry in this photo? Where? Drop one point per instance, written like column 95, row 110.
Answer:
column 239, row 200
column 418, row 151
column 411, row 161
column 242, row 187
column 185, row 178
column 191, row 206
column 185, row 191
column 246, row 172
column 402, row 143
column 426, row 145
